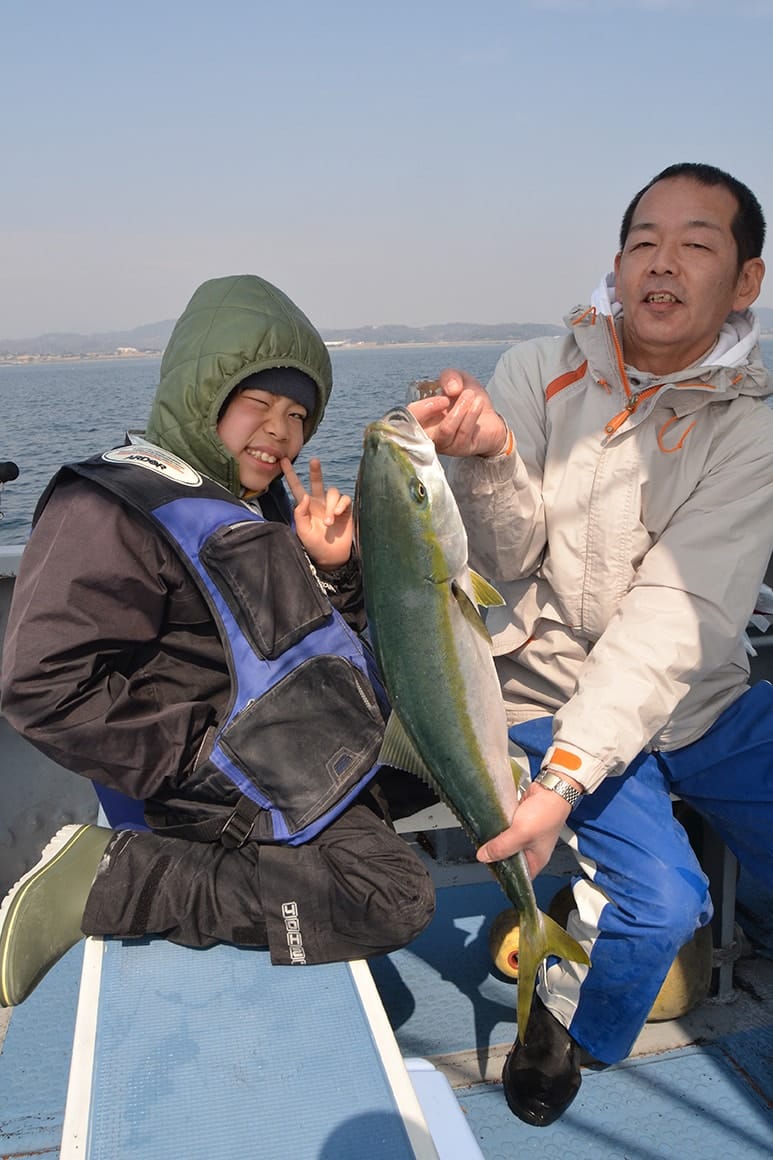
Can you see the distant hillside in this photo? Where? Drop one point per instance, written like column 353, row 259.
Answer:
column 153, row 337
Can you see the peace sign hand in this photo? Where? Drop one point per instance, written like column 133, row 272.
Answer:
column 323, row 520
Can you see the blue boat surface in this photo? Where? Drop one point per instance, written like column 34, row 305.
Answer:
column 144, row 1049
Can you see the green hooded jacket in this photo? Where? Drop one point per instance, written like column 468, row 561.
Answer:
column 231, row 328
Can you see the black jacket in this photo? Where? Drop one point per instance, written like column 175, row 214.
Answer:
column 112, row 664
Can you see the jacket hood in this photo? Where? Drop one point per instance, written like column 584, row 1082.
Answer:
column 231, row 328
column 736, row 349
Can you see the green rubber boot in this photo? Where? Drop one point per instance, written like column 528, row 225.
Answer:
column 41, row 916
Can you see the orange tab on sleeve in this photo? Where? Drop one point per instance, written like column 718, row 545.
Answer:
column 568, row 761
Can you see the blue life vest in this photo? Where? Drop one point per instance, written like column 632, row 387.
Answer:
column 304, row 724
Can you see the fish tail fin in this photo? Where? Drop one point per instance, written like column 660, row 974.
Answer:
column 561, row 944
column 540, row 937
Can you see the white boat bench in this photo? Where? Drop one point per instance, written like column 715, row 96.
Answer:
column 217, row 1053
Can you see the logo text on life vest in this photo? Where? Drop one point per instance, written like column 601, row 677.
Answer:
column 155, row 459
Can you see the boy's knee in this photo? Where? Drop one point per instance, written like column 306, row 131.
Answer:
column 392, row 920
column 364, row 891
column 392, row 898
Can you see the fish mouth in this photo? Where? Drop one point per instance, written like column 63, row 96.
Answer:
column 401, row 421
column 401, row 427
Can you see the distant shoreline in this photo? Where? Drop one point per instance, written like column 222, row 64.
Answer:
column 37, row 359
column 414, row 345
column 95, row 356
column 128, row 356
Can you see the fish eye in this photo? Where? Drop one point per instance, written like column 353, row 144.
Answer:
column 418, row 490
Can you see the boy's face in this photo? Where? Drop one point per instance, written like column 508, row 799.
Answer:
column 260, row 428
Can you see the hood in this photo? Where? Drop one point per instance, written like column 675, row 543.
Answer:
column 231, row 328
column 737, row 346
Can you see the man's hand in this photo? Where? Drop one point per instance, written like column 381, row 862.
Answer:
column 461, row 421
column 534, row 830
column 323, row 519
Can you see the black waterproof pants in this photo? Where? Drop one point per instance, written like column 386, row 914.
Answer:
column 357, row 889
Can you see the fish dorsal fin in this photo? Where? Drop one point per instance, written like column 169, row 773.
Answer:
column 485, row 594
column 397, row 749
column 470, row 612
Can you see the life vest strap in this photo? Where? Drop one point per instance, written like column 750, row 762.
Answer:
column 239, row 826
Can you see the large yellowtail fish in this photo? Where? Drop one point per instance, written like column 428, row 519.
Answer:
column 448, row 720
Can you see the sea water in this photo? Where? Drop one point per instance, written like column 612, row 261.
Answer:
column 59, row 412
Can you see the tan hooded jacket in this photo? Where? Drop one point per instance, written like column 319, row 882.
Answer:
column 629, row 531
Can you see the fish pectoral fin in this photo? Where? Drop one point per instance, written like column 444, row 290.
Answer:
column 397, row 749
column 519, row 773
column 485, row 594
column 470, row 612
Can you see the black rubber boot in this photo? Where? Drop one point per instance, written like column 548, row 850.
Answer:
column 541, row 1077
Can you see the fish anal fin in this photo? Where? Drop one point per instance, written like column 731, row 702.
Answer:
column 397, row 749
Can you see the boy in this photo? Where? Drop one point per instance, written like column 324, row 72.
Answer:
column 182, row 639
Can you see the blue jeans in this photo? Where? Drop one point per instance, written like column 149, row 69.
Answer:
column 642, row 893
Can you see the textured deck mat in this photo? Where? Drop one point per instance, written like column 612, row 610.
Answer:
column 35, row 1064
column 752, row 1054
column 247, row 1048
column 690, row 1104
column 711, row 1102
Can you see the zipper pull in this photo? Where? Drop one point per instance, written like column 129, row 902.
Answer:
column 615, row 423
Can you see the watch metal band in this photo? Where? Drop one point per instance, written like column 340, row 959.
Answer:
column 551, row 780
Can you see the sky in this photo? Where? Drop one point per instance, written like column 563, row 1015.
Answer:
column 413, row 161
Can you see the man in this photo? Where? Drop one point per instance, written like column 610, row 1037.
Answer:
column 617, row 487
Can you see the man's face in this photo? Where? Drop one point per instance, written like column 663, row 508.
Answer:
column 677, row 276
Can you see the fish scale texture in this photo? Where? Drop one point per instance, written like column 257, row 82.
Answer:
column 189, row 1065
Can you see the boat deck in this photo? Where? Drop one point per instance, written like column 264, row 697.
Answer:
column 701, row 1086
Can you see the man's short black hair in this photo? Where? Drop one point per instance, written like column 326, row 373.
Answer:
column 748, row 225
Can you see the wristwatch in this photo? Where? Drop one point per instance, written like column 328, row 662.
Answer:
column 551, row 780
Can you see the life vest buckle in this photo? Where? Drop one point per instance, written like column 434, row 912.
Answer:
column 239, row 826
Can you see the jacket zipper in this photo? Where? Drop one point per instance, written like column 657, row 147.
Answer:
column 634, row 397
column 621, row 416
